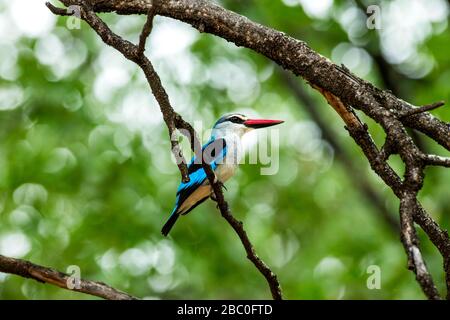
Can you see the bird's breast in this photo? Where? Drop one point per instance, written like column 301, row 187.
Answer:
column 228, row 165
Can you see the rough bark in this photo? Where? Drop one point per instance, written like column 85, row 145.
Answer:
column 357, row 176
column 42, row 274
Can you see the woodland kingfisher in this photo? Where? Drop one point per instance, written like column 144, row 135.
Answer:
column 223, row 152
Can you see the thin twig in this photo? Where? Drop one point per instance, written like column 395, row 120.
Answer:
column 148, row 26
column 422, row 109
column 437, row 236
column 58, row 11
column 42, row 274
column 238, row 226
column 411, row 244
column 434, row 160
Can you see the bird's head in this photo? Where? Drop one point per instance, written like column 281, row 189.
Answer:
column 238, row 124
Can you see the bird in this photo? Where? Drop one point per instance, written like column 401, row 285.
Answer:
column 222, row 152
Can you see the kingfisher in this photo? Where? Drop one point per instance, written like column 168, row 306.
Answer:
column 223, row 153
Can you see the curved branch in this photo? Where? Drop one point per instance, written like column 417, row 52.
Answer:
column 353, row 171
column 437, row 236
column 408, row 201
column 173, row 121
column 42, row 274
column 422, row 109
column 238, row 226
column 411, row 244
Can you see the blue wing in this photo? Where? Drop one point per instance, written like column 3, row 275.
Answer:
column 213, row 152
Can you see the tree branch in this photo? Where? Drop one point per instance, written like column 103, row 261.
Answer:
column 408, row 201
column 42, row 274
column 422, row 109
column 437, row 236
column 411, row 244
column 353, row 172
column 148, row 26
column 238, row 226
column 174, row 120
column 433, row 160
column 57, row 11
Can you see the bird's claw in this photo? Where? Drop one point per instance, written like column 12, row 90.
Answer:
column 221, row 185
column 212, row 196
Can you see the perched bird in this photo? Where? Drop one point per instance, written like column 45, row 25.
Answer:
column 223, row 152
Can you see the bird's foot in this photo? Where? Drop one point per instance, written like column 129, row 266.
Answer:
column 221, row 185
column 212, row 196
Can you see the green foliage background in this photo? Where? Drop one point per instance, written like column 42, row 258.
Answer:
column 86, row 177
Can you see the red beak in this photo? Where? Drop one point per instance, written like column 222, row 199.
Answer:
column 261, row 123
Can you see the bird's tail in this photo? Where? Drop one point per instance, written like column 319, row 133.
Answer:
column 170, row 222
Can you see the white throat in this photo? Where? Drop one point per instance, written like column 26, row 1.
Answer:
column 233, row 139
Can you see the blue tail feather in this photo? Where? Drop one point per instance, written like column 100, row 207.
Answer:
column 170, row 222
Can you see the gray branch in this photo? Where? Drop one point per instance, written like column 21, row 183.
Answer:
column 42, row 274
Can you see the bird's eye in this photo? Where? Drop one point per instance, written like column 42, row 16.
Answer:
column 236, row 119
